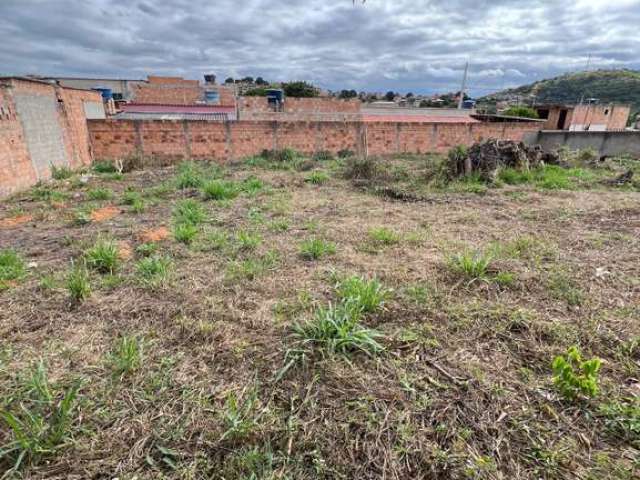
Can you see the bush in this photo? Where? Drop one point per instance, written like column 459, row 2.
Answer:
column 103, row 256
column 520, row 111
column 300, row 89
column 78, row 284
column 574, row 377
column 316, row 248
column 220, row 190
column 60, row 173
column 39, row 420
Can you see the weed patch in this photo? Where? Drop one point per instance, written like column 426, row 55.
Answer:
column 78, row 283
column 12, row 267
column 100, row 194
column 316, row 248
column 103, row 256
column 153, row 271
column 220, row 190
column 573, row 376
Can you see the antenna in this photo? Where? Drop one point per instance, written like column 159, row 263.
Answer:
column 464, row 86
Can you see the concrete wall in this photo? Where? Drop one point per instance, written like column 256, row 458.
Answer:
column 608, row 144
column 173, row 140
column 41, row 125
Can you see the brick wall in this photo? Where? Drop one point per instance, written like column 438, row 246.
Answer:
column 178, row 91
column 234, row 140
column 249, row 105
column 40, row 125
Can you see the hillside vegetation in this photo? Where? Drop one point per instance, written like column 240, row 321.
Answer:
column 617, row 86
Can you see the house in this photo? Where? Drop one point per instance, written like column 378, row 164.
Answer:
column 584, row 117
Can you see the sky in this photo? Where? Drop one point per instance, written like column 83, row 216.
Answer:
column 418, row 46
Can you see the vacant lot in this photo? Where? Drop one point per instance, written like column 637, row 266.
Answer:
column 278, row 320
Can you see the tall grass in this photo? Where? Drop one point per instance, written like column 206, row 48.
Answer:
column 103, row 256
column 12, row 266
column 367, row 295
column 39, row 420
column 126, row 355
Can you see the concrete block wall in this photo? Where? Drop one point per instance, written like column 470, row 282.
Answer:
column 178, row 91
column 42, row 125
column 234, row 140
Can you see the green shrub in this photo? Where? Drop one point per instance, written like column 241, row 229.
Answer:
column 383, row 236
column 323, row 156
column 472, row 265
column 100, row 193
column 104, row 166
column 78, row 283
column 39, row 420
column 126, row 356
column 61, row 173
column 189, row 211
column 366, row 295
column 220, row 190
column 336, row 329
column 185, row 232
column 103, row 256
column 521, row 111
column 316, row 248
column 12, row 266
column 574, row 377
column 317, row 178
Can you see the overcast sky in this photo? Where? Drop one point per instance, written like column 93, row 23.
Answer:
column 404, row 45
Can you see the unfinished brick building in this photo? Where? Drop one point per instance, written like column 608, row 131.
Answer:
column 586, row 117
column 42, row 125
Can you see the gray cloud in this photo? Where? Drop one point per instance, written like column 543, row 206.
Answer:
column 404, row 45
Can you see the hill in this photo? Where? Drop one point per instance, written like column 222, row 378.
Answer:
column 617, row 86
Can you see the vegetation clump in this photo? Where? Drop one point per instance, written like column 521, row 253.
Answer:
column 573, row 376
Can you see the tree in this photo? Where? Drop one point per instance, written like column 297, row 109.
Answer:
column 247, row 80
column 300, row 89
column 348, row 94
column 229, row 80
column 521, row 111
column 390, row 96
column 261, row 81
column 256, row 92
column 409, row 95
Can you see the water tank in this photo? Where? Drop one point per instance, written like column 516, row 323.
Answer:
column 107, row 93
column 275, row 95
column 210, row 79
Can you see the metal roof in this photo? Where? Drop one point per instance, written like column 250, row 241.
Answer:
column 418, row 119
column 215, row 116
column 173, row 108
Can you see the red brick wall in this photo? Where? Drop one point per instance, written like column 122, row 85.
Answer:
column 234, row 140
column 17, row 171
column 292, row 105
column 178, row 91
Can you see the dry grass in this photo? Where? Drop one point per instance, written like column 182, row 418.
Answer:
column 182, row 380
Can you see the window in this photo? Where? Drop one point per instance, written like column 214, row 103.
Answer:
column 212, row 96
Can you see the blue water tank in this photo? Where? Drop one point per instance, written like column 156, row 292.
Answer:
column 107, row 93
column 275, row 95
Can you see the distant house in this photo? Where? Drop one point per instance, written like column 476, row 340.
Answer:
column 121, row 88
column 584, row 117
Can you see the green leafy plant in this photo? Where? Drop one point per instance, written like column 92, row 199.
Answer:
column 239, row 414
column 336, row 329
column 78, row 283
column 316, row 248
column 185, row 232
column 220, row 190
column 622, row 418
column 103, row 256
column 61, row 173
column 153, row 271
column 39, row 418
column 12, row 267
column 100, row 193
column 473, row 265
column 126, row 355
column 345, row 153
column 573, row 376
column 323, row 156
column 365, row 295
column 317, row 178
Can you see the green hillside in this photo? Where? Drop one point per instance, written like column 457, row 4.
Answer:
column 617, row 86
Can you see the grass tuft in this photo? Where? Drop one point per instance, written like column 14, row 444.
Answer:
column 384, row 236
column 316, row 248
column 153, row 271
column 472, row 265
column 99, row 194
column 103, row 256
column 366, row 295
column 190, row 212
column 61, row 173
column 317, row 178
column 220, row 190
column 78, row 283
column 126, row 356
column 12, row 267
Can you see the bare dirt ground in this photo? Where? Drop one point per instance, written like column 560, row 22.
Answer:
column 183, row 376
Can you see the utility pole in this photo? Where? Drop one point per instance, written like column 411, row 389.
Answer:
column 464, row 86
